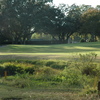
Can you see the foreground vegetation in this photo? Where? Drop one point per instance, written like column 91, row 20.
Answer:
column 51, row 79
column 50, row 72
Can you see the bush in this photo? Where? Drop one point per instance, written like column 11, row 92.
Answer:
column 49, row 63
column 1, row 71
column 46, row 73
column 91, row 69
column 56, row 64
column 89, row 90
column 13, row 67
column 72, row 77
column 87, row 64
column 82, row 40
column 22, row 80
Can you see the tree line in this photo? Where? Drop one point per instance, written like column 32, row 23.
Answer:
column 19, row 19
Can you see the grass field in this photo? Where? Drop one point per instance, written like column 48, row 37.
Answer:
column 49, row 89
column 59, row 51
column 41, row 94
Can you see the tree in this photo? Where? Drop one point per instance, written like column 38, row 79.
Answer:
column 60, row 21
column 98, row 7
column 91, row 23
column 18, row 18
column 49, row 20
column 73, row 17
column 84, row 8
column 2, row 36
column 70, row 23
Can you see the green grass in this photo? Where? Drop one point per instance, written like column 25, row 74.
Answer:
column 33, row 94
column 48, row 51
column 11, row 93
column 60, row 48
column 42, row 86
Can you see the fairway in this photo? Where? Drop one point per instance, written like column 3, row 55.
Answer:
column 48, row 51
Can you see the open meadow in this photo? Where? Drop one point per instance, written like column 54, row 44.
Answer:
column 50, row 72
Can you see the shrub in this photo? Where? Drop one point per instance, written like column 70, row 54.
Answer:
column 46, row 73
column 82, row 40
column 89, row 90
column 56, row 64
column 72, row 77
column 22, row 80
column 1, row 70
column 49, row 63
column 87, row 64
column 13, row 67
column 90, row 69
column 87, row 58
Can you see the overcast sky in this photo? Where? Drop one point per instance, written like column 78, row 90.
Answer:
column 78, row 2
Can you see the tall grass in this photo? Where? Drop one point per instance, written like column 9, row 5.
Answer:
column 53, row 75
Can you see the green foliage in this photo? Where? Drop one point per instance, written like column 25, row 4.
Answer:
column 79, row 73
column 60, row 22
column 21, row 27
column 19, row 80
column 90, row 23
column 87, row 64
column 72, row 77
column 1, row 70
column 46, row 73
column 88, row 58
column 41, row 36
column 22, row 80
column 49, row 63
column 82, row 40
column 89, row 90
column 13, row 67
column 91, row 69
column 56, row 64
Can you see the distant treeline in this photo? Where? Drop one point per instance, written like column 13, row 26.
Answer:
column 20, row 19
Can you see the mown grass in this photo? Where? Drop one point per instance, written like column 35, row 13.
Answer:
column 48, row 51
column 60, row 48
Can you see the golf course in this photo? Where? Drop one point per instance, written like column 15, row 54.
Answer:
column 48, row 51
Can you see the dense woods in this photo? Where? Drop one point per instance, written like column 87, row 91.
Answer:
column 20, row 19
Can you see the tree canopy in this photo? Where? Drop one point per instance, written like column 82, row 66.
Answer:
column 91, row 23
column 19, row 19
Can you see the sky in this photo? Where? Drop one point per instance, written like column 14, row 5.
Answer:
column 78, row 2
